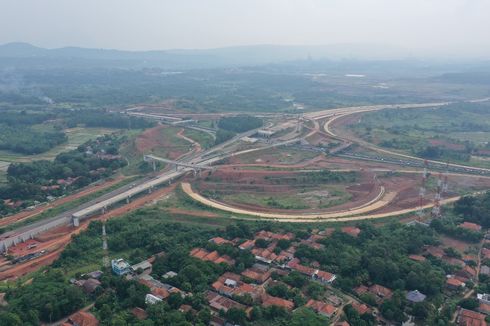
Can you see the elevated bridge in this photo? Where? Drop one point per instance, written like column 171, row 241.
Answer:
column 195, row 167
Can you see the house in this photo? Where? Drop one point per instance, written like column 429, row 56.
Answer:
column 220, row 241
column 264, row 255
column 152, row 299
column 453, row 283
column 322, row 308
column 229, row 284
column 342, row 323
column 267, row 235
column 351, row 230
column 417, row 258
column 258, row 275
column 485, row 270
column 81, row 318
column 415, row 296
column 120, row 267
column 361, row 308
column 485, row 252
column 268, row 300
column 90, row 285
column 454, row 261
column 470, row 318
column 139, row 313
column 295, row 265
column 483, row 297
column 324, row 277
column 218, row 302
column 484, row 308
column 213, row 256
column 142, row 267
column 95, row 274
column 434, row 251
column 470, row 226
column 247, row 245
column 169, row 274
column 467, row 273
column 379, row 292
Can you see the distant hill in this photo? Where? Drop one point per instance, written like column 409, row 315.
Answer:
column 24, row 53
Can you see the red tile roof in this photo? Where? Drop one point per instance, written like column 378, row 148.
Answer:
column 417, row 258
column 247, row 244
column 471, row 318
column 361, row 308
column 268, row 300
column 321, row 307
column 220, row 241
column 139, row 313
column 470, row 226
column 351, row 230
column 454, row 282
column 83, row 318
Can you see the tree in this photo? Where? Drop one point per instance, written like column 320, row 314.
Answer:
column 236, row 315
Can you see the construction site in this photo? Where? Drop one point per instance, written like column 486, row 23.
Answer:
column 295, row 168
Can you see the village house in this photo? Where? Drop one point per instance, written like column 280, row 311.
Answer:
column 81, row 318
column 467, row 273
column 218, row 302
column 257, row 274
column 415, row 296
column 454, row 284
column 322, row 308
column 120, row 267
column 417, row 258
column 379, row 292
column 351, row 230
column 247, row 245
column 361, row 308
column 220, row 241
column 469, row 317
column 213, row 256
column 470, row 226
column 268, row 300
column 229, row 284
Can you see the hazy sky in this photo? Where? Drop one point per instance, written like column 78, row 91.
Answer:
column 421, row 26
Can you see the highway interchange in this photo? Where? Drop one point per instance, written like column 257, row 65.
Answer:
column 214, row 155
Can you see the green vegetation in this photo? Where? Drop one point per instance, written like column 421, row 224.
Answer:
column 28, row 141
column 72, row 170
column 203, row 138
column 240, row 123
column 457, row 132
column 223, row 135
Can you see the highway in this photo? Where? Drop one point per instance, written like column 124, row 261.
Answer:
column 119, row 195
column 205, row 158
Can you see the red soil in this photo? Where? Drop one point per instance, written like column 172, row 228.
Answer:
column 28, row 214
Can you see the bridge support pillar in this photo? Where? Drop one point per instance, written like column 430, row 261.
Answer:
column 154, row 165
column 76, row 221
column 128, row 199
column 104, row 209
column 150, row 190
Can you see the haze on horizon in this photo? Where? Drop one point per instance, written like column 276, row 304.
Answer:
column 447, row 28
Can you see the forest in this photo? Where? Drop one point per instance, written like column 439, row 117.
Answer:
column 28, row 141
column 240, row 123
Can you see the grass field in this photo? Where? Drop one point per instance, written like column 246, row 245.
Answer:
column 282, row 155
column 205, row 139
column 300, row 199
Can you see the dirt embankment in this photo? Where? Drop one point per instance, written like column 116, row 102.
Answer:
column 55, row 240
column 29, row 214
